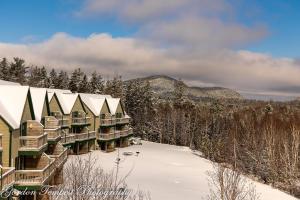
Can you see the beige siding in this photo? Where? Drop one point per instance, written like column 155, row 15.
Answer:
column 27, row 112
column 119, row 109
column 15, row 143
column 77, row 106
column 91, row 115
column 97, row 124
column 54, row 105
column 104, row 109
column 45, row 111
column 4, row 130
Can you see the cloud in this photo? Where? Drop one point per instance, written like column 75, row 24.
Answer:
column 148, row 10
column 131, row 57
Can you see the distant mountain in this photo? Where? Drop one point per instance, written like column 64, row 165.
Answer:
column 163, row 86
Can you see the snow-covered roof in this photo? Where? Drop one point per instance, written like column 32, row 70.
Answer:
column 12, row 102
column 93, row 103
column 52, row 91
column 38, row 96
column 3, row 82
column 113, row 104
column 67, row 101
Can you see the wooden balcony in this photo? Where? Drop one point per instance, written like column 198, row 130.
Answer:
column 63, row 121
column 7, row 178
column 32, row 145
column 1, row 147
column 81, row 121
column 50, row 122
column 108, row 122
column 85, row 136
column 60, row 155
column 126, row 132
column 68, row 138
column 54, row 135
column 123, row 120
column 106, row 136
column 33, row 179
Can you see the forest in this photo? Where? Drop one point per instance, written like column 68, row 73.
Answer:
column 259, row 139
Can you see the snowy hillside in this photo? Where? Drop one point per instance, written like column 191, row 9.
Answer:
column 171, row 172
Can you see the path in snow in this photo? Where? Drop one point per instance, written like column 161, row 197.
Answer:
column 170, row 172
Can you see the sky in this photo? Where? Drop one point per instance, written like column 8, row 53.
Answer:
column 250, row 46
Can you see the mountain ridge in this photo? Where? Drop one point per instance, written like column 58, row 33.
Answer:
column 163, row 86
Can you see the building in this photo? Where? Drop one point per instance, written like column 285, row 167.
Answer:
column 77, row 135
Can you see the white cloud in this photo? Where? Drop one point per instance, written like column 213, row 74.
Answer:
column 132, row 58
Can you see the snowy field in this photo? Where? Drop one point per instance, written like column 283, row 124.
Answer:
column 170, row 172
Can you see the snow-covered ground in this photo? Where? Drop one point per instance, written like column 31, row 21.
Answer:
column 170, row 172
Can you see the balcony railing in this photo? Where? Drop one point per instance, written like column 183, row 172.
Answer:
column 82, row 136
column 117, row 134
column 106, row 136
column 130, row 131
column 81, row 120
column 68, row 138
column 107, row 122
column 53, row 134
column 7, row 178
column 123, row 120
column 33, row 143
column 36, row 177
column 50, row 122
column 60, row 155
column 63, row 122
column 1, row 147
column 92, row 134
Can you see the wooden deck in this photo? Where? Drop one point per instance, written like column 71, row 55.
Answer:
column 35, row 178
column 7, row 178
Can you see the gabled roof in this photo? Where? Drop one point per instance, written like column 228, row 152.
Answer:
column 67, row 101
column 113, row 104
column 93, row 103
column 38, row 97
column 52, row 91
column 3, row 82
column 12, row 102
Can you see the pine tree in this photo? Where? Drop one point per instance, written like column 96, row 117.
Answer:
column 96, row 84
column 84, row 85
column 53, row 79
column 44, row 80
column 4, row 70
column 62, row 80
column 75, row 80
column 115, row 87
column 34, row 77
column 18, row 71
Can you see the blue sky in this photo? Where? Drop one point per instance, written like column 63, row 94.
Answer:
column 245, row 45
column 37, row 20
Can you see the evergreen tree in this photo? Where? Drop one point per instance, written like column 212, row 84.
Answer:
column 84, row 85
column 4, row 70
column 53, row 79
column 115, row 87
column 96, row 84
column 34, row 77
column 75, row 80
column 62, row 80
column 18, row 71
column 44, row 80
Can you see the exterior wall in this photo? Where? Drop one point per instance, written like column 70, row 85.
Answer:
column 97, row 124
column 4, row 130
column 77, row 106
column 119, row 109
column 15, row 143
column 54, row 105
column 105, row 109
column 27, row 112
column 91, row 115
column 45, row 111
